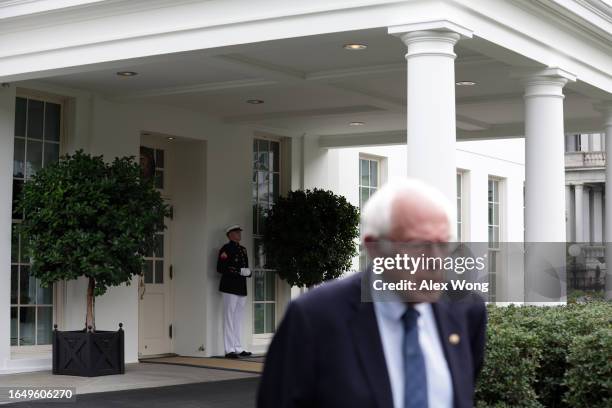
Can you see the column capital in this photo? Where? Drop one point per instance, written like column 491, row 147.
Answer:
column 550, row 74
column 544, row 82
column 430, row 37
column 440, row 26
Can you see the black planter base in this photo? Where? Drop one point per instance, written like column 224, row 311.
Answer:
column 88, row 354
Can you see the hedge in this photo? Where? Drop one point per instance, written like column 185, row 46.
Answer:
column 589, row 376
column 558, row 356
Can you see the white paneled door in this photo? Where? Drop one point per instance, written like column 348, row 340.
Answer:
column 155, row 291
column 155, row 329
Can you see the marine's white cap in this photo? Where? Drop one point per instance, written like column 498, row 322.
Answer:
column 232, row 228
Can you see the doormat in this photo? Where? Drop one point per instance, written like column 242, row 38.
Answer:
column 255, row 359
column 251, row 365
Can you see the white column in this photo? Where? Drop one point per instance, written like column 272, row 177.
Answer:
column 586, row 215
column 579, row 213
column 606, row 109
column 584, row 142
column 597, row 216
column 7, row 129
column 544, row 156
column 431, row 126
column 596, row 142
column 568, row 212
column 544, row 185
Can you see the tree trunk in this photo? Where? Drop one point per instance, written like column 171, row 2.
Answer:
column 90, row 319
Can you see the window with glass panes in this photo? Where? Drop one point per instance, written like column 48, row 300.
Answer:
column 38, row 125
column 153, row 267
column 369, row 181
column 459, row 205
column 154, row 158
column 494, row 233
column 266, row 189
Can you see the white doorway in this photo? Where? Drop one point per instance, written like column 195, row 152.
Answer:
column 155, row 291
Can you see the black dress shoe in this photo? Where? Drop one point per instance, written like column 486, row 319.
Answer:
column 231, row 355
column 245, row 353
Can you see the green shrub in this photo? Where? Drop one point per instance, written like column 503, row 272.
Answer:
column 310, row 236
column 582, row 296
column 555, row 329
column 589, row 374
column 509, row 372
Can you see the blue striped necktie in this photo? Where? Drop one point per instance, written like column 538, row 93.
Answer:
column 415, row 374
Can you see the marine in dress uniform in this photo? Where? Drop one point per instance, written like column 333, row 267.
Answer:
column 230, row 264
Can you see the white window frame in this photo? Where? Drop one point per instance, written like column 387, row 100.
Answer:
column 463, row 201
column 59, row 288
column 380, row 177
column 500, row 183
column 264, row 338
column 378, row 161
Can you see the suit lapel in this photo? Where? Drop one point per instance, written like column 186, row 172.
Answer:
column 371, row 355
column 448, row 326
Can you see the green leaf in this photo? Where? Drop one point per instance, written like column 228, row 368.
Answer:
column 310, row 236
column 86, row 217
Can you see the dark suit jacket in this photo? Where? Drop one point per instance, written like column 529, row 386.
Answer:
column 232, row 256
column 327, row 351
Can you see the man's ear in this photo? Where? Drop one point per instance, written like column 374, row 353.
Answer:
column 369, row 242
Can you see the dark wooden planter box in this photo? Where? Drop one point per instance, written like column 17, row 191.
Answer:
column 88, row 354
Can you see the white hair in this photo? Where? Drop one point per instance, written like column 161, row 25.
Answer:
column 376, row 214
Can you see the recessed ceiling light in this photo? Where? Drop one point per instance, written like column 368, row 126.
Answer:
column 355, row 47
column 465, row 83
column 356, row 123
column 127, row 73
column 255, row 101
column 169, row 138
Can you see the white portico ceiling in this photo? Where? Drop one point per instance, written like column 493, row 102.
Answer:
column 313, row 85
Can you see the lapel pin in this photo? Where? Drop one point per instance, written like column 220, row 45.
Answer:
column 454, row 339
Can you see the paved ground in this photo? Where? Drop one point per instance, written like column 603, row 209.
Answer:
column 143, row 375
column 217, row 394
column 144, row 385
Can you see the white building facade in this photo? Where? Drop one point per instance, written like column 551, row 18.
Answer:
column 585, row 188
column 239, row 103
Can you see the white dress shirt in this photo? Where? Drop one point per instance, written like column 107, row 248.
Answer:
column 391, row 328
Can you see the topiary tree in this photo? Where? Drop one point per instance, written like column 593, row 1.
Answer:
column 85, row 217
column 309, row 236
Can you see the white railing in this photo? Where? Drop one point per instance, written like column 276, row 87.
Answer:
column 585, row 159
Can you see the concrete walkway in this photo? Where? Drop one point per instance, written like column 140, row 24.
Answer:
column 137, row 377
column 220, row 394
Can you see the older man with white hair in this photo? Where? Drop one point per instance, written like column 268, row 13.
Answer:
column 412, row 349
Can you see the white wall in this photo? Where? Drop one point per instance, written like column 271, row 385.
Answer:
column 7, row 132
column 320, row 166
column 393, row 165
column 503, row 159
column 187, row 180
column 478, row 160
